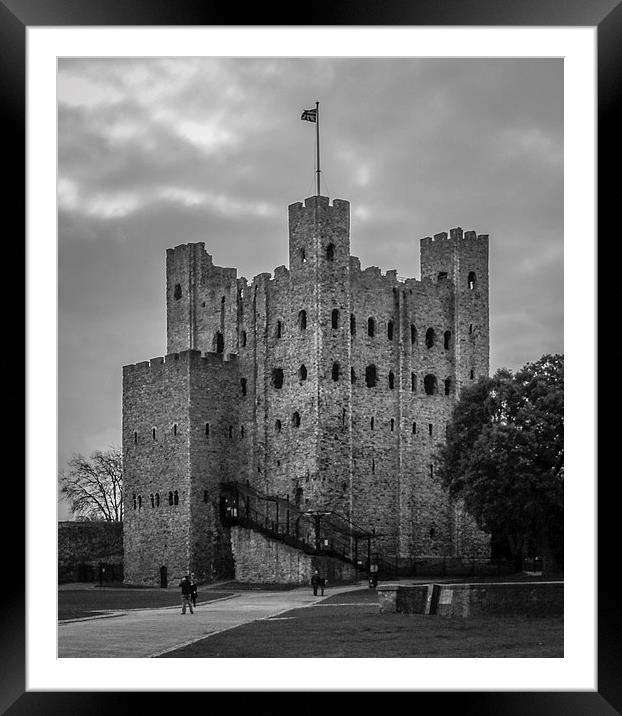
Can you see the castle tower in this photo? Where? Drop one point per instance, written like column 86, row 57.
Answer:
column 201, row 302
column 463, row 259
column 319, row 257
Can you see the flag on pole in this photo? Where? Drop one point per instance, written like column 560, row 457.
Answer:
column 310, row 115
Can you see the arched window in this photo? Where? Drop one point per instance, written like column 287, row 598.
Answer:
column 392, row 424
column 296, row 419
column 373, row 465
column 413, row 333
column 471, row 281
column 140, row 502
column 414, row 428
column 302, row 372
column 243, row 385
column 352, row 375
column 302, row 320
column 157, row 499
column 390, row 330
column 170, row 498
column 277, row 377
column 371, row 423
column 219, row 342
column 391, row 380
column 176, row 497
column 330, row 252
column 429, row 337
column 430, row 428
column 446, row 340
column 205, row 496
column 470, row 329
column 336, row 370
column 243, row 339
column 177, row 292
column 430, row 384
column 277, row 426
column 241, row 431
column 371, row 377
column 303, row 255
column 413, row 382
column 207, row 429
column 447, row 386
column 371, row 327
column 343, row 416
column 152, row 498
column 352, row 324
column 472, row 374
column 153, row 433
column 334, row 318
column 279, row 329
column 174, row 428
column 230, row 432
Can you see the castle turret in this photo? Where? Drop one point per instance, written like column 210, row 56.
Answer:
column 462, row 258
column 201, row 302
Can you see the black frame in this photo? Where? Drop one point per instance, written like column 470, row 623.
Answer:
column 606, row 16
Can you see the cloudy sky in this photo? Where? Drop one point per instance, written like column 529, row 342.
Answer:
column 157, row 152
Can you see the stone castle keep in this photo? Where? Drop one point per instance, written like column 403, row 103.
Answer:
column 325, row 386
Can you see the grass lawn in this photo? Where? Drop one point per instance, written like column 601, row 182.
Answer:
column 79, row 603
column 350, row 625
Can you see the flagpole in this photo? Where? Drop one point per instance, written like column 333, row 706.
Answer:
column 317, row 143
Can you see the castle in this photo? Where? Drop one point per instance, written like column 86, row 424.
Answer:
column 324, row 385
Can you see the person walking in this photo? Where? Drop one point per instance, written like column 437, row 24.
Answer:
column 317, row 581
column 194, row 590
column 186, row 594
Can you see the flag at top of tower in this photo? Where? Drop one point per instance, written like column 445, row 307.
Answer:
column 310, row 115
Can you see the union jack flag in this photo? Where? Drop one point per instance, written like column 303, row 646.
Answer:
column 310, row 115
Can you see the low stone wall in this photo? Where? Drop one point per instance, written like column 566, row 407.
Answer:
column 415, row 599
column 84, row 546
column 530, row 599
column 261, row 560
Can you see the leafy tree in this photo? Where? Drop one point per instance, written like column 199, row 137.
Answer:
column 504, row 456
column 93, row 485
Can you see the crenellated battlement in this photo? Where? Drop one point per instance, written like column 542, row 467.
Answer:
column 174, row 360
column 457, row 234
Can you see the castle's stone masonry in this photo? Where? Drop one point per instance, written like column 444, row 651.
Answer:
column 262, row 560
column 324, row 382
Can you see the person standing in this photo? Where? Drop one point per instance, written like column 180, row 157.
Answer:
column 193, row 590
column 186, row 594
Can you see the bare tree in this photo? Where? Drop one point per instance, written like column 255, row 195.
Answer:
column 93, row 485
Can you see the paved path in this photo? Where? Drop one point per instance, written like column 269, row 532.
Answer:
column 152, row 632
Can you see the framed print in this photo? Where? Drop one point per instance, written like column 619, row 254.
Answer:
column 111, row 153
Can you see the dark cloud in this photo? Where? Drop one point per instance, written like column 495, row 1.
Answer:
column 158, row 152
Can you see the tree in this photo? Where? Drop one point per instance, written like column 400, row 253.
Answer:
column 504, row 456
column 93, row 485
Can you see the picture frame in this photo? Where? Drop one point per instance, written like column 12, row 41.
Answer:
column 17, row 17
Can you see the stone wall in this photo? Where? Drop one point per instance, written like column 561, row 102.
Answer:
column 261, row 560
column 529, row 599
column 89, row 544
